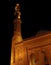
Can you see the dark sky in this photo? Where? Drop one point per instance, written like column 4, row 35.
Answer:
column 35, row 16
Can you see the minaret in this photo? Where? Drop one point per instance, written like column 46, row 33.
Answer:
column 17, row 33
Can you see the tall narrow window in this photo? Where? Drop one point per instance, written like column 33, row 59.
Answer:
column 45, row 58
column 32, row 60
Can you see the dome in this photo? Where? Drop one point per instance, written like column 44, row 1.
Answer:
column 41, row 32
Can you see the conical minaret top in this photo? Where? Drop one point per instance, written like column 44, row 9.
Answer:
column 17, row 24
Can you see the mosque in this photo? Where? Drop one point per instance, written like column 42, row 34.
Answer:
column 35, row 50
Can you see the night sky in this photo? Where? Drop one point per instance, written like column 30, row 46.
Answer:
column 35, row 16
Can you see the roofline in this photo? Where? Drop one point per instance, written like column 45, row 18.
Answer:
column 35, row 37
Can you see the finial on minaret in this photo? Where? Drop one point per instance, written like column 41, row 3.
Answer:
column 17, row 11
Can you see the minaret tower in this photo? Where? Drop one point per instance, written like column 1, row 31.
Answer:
column 17, row 33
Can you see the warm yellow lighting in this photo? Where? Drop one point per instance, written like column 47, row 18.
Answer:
column 19, row 14
column 17, row 4
column 32, row 60
column 18, row 39
column 16, row 7
column 18, row 17
column 11, row 61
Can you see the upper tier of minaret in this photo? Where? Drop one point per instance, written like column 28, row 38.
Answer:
column 17, row 24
